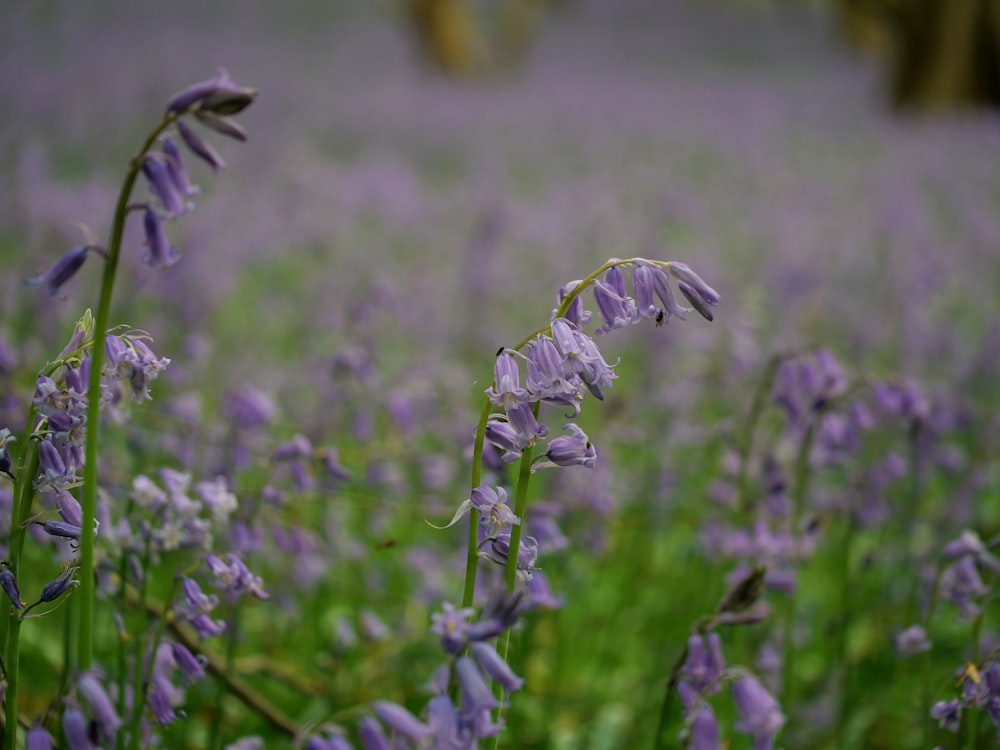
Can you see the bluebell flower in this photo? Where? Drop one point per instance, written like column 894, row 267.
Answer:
column 452, row 625
column 172, row 201
column 912, row 641
column 176, row 169
column 371, row 735
column 37, row 738
column 103, row 712
column 64, row 269
column 574, row 449
column 9, row 585
column 506, row 390
column 758, row 712
column 76, row 729
column 191, row 667
column 948, row 714
column 401, row 721
column 60, row 585
column 230, row 574
column 492, row 664
column 199, row 147
column 704, row 730
column 159, row 252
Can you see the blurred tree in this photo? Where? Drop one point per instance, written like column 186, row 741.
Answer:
column 460, row 39
column 943, row 54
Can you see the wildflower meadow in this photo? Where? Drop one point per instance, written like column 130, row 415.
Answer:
column 640, row 395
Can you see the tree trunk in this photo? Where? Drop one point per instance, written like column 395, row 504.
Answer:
column 943, row 54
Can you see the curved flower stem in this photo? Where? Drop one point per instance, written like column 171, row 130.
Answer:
column 89, row 501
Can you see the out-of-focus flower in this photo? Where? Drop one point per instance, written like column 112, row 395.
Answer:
column 64, row 270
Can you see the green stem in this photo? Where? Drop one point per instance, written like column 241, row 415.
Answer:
column 231, row 639
column 101, row 323
column 666, row 707
column 746, row 437
column 472, row 555
column 27, row 469
column 144, row 673
column 840, row 654
column 520, row 505
column 798, row 500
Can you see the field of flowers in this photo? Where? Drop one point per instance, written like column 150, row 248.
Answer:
column 646, row 397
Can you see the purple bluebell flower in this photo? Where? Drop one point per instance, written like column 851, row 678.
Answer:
column 447, row 727
column 159, row 252
column 574, row 449
column 912, row 641
column 64, row 269
column 5, row 460
column 162, row 699
column 643, row 289
column 529, row 429
column 548, row 379
column 191, row 666
column 704, row 730
column 371, row 735
column 540, row 594
column 499, row 551
column 54, row 473
column 217, row 498
column 489, row 661
column 660, row 282
column 195, row 609
column 759, row 713
column 969, row 544
column 223, row 125
column 962, row 585
column 298, row 448
column 249, row 407
column 9, row 585
column 703, row 667
column 61, row 529
column 506, row 390
column 198, row 94
column 699, row 304
column 129, row 358
column 102, row 709
column 37, row 738
column 401, row 721
column 575, row 313
column 494, row 512
column 176, row 169
column 948, row 714
column 157, row 175
column 230, row 574
column 683, row 272
column 199, row 147
column 506, row 438
column 452, row 625
column 75, row 728
column 60, row 585
column 614, row 304
column 476, row 694
column 373, row 627
column 69, row 509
